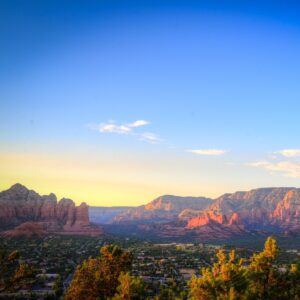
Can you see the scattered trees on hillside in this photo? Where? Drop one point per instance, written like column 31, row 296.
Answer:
column 230, row 278
column 12, row 273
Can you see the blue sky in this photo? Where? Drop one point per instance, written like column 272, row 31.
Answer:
column 216, row 84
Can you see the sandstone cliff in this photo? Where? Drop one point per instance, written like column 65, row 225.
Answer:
column 270, row 209
column 18, row 206
column 259, row 211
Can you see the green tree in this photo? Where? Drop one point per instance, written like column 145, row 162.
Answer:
column 230, row 279
column 171, row 292
column 130, row 288
column 225, row 280
column 8, row 266
column 97, row 278
column 264, row 278
column 292, row 282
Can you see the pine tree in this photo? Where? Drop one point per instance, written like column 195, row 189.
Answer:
column 130, row 288
column 230, row 279
column 226, row 279
column 262, row 275
column 97, row 278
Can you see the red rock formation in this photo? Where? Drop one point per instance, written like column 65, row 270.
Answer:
column 259, row 209
column 19, row 205
column 82, row 215
column 265, row 210
column 78, row 222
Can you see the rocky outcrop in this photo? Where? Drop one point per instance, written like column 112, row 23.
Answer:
column 269, row 209
column 260, row 211
column 25, row 210
column 163, row 209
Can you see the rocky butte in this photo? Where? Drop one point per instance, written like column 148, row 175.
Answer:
column 25, row 212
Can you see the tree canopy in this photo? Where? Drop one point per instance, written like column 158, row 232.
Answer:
column 229, row 278
column 232, row 279
column 97, row 278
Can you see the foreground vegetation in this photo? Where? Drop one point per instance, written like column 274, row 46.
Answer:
column 107, row 277
column 128, row 269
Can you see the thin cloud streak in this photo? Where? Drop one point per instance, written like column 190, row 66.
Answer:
column 150, row 137
column 138, row 123
column 211, row 152
column 286, row 168
column 113, row 128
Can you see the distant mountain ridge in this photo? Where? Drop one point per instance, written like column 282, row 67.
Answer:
column 43, row 214
column 162, row 209
column 105, row 215
column 264, row 210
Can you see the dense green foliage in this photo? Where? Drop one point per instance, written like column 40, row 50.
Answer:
column 97, row 278
column 231, row 279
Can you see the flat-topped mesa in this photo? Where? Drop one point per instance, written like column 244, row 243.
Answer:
column 19, row 205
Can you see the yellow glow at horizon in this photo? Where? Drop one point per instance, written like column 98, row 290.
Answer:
column 99, row 182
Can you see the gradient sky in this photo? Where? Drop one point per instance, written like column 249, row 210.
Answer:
column 118, row 102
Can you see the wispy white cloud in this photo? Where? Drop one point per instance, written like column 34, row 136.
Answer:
column 113, row 128
column 138, row 123
column 290, row 152
column 213, row 152
column 286, row 168
column 150, row 137
column 127, row 128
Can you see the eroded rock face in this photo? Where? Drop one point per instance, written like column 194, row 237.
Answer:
column 78, row 221
column 276, row 208
column 260, row 211
column 18, row 206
